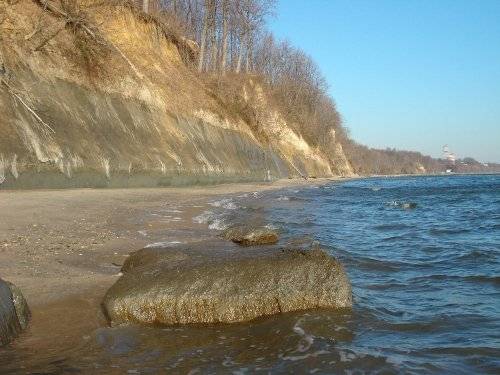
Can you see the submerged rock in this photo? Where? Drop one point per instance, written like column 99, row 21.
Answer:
column 228, row 290
column 252, row 236
column 403, row 205
column 409, row 206
column 14, row 312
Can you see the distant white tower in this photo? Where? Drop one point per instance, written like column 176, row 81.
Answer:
column 450, row 159
column 448, row 155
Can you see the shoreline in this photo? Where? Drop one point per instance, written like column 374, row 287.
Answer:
column 56, row 243
column 64, row 250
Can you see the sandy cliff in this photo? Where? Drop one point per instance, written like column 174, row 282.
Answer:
column 110, row 101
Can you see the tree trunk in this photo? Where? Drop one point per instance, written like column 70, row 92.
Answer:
column 145, row 6
column 213, row 37
column 203, row 37
column 225, row 16
column 243, row 46
column 248, row 62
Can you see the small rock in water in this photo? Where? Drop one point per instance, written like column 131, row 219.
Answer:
column 409, row 206
column 252, row 236
column 403, row 205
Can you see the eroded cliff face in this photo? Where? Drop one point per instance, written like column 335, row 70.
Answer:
column 123, row 109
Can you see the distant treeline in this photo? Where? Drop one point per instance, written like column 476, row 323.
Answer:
column 369, row 161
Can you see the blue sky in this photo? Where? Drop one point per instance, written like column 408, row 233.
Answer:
column 410, row 74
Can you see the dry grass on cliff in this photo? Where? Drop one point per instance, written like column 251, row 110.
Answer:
column 78, row 16
column 167, row 25
column 71, row 15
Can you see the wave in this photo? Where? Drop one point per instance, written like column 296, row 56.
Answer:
column 391, row 226
column 291, row 198
column 283, row 198
column 215, row 221
column 480, row 255
column 173, row 211
column 467, row 278
column 204, row 217
column 464, row 351
column 226, row 203
column 375, row 264
column 306, row 339
column 163, row 244
column 483, row 279
column 218, row 224
column 445, row 231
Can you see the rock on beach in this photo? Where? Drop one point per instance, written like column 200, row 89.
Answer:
column 14, row 312
column 252, row 236
column 232, row 289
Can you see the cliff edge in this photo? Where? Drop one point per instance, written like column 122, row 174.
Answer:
column 104, row 97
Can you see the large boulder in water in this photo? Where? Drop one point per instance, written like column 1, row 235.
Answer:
column 14, row 312
column 228, row 290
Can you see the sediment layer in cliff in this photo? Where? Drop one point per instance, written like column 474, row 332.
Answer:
column 112, row 102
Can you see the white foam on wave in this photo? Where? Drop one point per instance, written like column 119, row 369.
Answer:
column 271, row 226
column 204, row 217
column 218, row 224
column 346, row 356
column 303, row 346
column 170, row 218
column 213, row 220
column 283, row 198
column 163, row 244
column 307, row 339
column 226, row 203
column 294, row 358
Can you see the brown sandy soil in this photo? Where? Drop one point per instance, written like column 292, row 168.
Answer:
column 64, row 248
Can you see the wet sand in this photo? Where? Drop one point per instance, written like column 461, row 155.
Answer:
column 64, row 248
